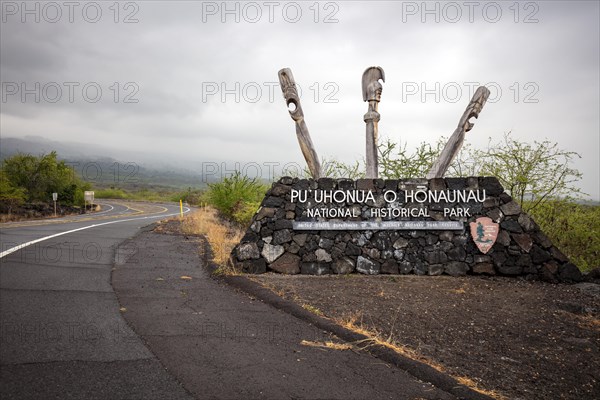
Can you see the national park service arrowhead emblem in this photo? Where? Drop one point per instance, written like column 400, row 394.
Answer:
column 484, row 232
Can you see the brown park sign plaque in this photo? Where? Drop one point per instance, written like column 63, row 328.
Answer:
column 484, row 232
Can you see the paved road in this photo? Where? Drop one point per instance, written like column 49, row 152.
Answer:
column 64, row 336
column 62, row 333
column 223, row 344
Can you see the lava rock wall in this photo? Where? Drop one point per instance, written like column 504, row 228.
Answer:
column 520, row 249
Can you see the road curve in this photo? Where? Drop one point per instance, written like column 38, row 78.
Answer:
column 13, row 234
column 60, row 321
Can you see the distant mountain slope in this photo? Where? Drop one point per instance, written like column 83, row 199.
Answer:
column 94, row 166
column 39, row 145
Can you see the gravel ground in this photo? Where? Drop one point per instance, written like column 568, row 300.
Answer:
column 517, row 338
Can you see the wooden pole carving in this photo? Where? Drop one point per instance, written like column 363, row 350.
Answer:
column 455, row 142
column 290, row 93
column 371, row 89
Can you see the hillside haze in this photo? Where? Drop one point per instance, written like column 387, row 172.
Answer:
column 104, row 167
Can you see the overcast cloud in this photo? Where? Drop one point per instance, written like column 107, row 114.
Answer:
column 163, row 73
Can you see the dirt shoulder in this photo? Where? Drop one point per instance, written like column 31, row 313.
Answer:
column 520, row 339
column 34, row 211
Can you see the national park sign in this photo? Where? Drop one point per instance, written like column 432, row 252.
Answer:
column 453, row 226
column 430, row 226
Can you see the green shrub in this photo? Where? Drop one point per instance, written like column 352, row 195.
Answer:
column 573, row 228
column 236, row 197
column 193, row 197
column 111, row 194
column 10, row 195
column 245, row 211
column 35, row 178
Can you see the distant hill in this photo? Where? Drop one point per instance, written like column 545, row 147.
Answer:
column 102, row 171
column 39, row 145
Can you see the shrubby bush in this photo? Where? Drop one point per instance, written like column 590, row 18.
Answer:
column 111, row 193
column 193, row 197
column 29, row 178
column 237, row 197
column 573, row 228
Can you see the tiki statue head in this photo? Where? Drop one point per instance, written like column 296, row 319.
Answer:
column 371, row 87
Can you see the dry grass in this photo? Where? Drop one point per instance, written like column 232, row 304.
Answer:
column 221, row 235
column 279, row 292
column 312, row 309
column 355, row 324
column 8, row 218
column 327, row 345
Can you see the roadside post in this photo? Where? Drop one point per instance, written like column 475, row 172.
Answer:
column 180, row 208
column 54, row 198
column 88, row 197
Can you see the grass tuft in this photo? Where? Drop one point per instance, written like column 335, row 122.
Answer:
column 221, row 235
column 312, row 309
column 327, row 345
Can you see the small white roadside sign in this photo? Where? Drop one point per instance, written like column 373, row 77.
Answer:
column 88, row 196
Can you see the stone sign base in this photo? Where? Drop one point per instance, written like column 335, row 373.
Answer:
column 420, row 233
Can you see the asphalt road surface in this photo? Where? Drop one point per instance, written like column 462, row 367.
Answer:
column 62, row 333
column 95, row 307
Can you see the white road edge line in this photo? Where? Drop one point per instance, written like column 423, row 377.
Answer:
column 23, row 245
column 105, row 211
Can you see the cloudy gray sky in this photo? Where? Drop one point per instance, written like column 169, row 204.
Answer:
column 196, row 82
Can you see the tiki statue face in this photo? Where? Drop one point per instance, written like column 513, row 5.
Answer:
column 374, row 90
column 371, row 85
